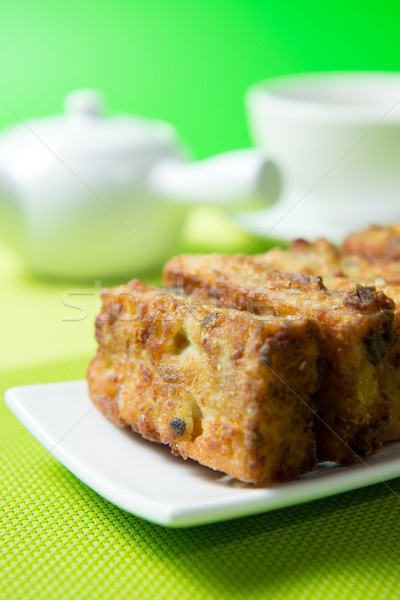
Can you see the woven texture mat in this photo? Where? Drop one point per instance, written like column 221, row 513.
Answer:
column 61, row 540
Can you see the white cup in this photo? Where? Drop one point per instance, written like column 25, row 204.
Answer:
column 336, row 139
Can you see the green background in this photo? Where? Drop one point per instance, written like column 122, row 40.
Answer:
column 182, row 61
column 188, row 63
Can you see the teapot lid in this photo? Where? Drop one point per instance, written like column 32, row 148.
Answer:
column 84, row 132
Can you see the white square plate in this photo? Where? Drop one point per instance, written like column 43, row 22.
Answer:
column 145, row 479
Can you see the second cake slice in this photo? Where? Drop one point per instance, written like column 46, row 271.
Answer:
column 355, row 330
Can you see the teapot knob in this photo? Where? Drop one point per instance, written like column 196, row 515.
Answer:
column 84, row 102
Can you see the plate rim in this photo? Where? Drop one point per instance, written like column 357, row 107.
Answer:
column 246, row 502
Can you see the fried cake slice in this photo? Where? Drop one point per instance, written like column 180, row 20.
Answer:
column 218, row 385
column 352, row 412
column 318, row 258
column 389, row 353
column 375, row 243
column 341, row 272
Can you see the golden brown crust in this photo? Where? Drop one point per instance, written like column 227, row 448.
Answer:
column 226, row 388
column 375, row 243
column 353, row 413
column 317, row 258
column 390, row 366
column 232, row 389
column 379, row 272
column 341, row 272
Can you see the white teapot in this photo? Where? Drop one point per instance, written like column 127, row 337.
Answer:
column 88, row 196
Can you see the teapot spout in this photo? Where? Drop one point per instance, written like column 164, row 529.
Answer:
column 240, row 178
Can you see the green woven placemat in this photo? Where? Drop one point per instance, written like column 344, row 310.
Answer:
column 61, row 540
